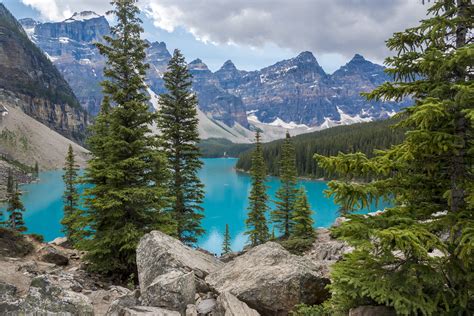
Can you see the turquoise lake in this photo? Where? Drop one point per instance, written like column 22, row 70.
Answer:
column 225, row 203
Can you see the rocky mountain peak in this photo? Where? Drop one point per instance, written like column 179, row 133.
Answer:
column 158, row 52
column 198, row 65
column 306, row 57
column 228, row 66
column 83, row 16
column 357, row 58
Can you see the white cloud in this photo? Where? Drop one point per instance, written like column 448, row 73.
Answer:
column 58, row 10
column 324, row 27
column 341, row 27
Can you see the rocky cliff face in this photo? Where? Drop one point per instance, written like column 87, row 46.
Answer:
column 70, row 46
column 292, row 94
column 31, row 77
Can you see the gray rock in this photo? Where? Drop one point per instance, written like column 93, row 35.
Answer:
column 52, row 255
column 271, row 280
column 206, row 306
column 44, row 297
column 326, row 250
column 128, row 300
column 230, row 256
column 229, row 305
column 173, row 290
column 58, row 241
column 147, row 311
column 372, row 311
column 171, row 273
column 9, row 303
column 158, row 254
column 191, row 310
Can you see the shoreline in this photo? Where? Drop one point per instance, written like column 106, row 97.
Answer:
column 299, row 177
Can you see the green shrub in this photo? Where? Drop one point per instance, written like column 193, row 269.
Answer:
column 315, row 310
column 13, row 244
column 37, row 237
column 297, row 246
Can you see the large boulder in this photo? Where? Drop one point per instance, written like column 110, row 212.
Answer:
column 271, row 280
column 45, row 297
column 52, row 255
column 173, row 290
column 158, row 253
column 170, row 273
column 228, row 305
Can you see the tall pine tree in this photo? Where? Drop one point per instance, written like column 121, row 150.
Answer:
column 257, row 228
column 226, row 244
column 72, row 217
column 10, row 183
column 178, row 123
column 302, row 217
column 15, row 211
column 417, row 256
column 126, row 170
column 286, row 194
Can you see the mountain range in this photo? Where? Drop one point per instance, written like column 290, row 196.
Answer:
column 295, row 94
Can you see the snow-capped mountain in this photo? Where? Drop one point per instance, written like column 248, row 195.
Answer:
column 293, row 94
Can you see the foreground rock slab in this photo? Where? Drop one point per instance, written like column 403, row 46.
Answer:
column 146, row 311
column 271, row 280
column 229, row 305
column 170, row 273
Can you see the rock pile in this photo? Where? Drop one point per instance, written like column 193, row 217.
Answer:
column 174, row 279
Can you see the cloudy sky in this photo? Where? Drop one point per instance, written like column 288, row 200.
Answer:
column 256, row 33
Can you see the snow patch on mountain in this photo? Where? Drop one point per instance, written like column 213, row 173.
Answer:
column 82, row 16
column 291, row 125
column 346, row 119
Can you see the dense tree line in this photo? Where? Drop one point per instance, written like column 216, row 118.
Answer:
column 220, row 147
column 363, row 137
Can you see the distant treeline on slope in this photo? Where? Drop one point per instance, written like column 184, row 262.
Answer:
column 363, row 137
column 220, row 147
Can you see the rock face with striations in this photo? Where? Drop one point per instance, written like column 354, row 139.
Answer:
column 271, row 280
column 291, row 94
column 169, row 272
column 28, row 73
column 70, row 46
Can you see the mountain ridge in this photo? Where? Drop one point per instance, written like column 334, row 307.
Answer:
column 294, row 94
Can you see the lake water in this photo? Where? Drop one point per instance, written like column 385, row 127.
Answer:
column 226, row 202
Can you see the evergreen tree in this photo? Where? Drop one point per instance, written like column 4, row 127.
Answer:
column 15, row 211
column 126, row 171
column 417, row 255
column 302, row 220
column 72, row 217
column 256, row 222
column 226, row 244
column 286, row 194
column 178, row 123
column 10, row 184
column 36, row 170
